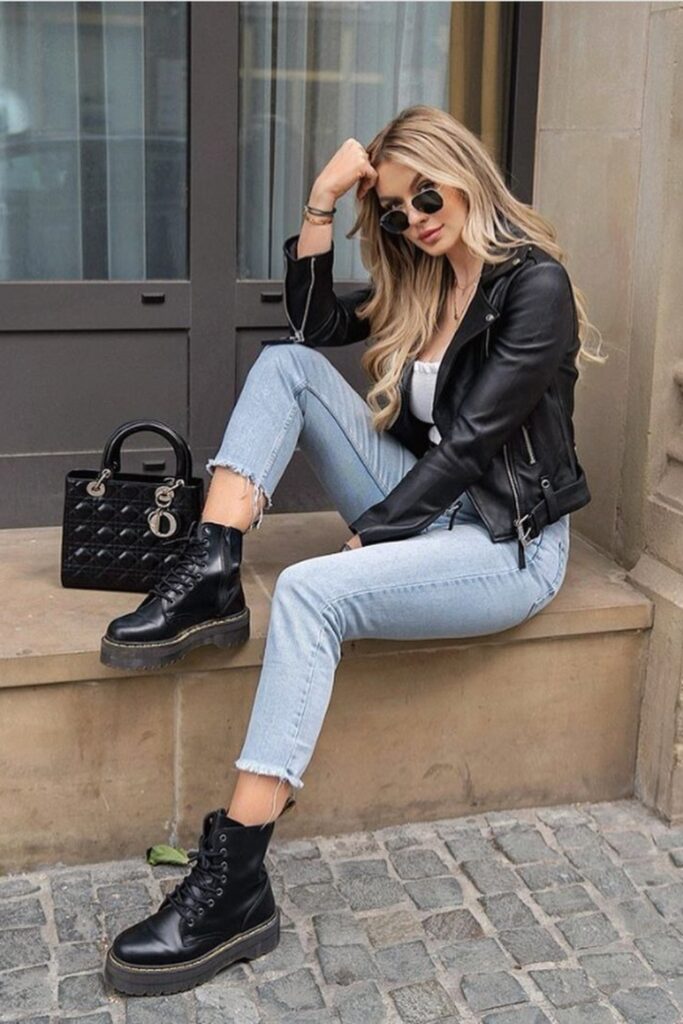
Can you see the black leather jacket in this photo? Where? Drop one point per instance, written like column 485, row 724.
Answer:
column 503, row 403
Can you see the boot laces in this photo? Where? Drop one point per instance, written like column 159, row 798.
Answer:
column 205, row 875
column 188, row 569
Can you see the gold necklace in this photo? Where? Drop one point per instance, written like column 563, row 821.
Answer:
column 456, row 315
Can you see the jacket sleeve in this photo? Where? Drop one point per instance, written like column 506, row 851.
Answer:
column 535, row 332
column 317, row 316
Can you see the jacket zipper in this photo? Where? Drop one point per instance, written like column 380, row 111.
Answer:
column 518, row 520
column 299, row 332
column 527, row 438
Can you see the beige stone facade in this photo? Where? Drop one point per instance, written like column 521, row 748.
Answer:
column 609, row 174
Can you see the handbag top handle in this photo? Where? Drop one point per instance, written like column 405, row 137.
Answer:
column 111, row 456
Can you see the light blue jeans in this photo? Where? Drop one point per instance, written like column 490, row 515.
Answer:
column 439, row 583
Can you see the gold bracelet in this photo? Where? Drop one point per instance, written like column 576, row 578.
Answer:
column 316, row 220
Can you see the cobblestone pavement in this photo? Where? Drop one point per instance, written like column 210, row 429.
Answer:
column 570, row 914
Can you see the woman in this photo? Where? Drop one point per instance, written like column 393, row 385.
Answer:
column 457, row 477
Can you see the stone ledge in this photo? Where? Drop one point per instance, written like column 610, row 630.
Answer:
column 51, row 634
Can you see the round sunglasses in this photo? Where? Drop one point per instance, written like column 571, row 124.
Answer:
column 396, row 221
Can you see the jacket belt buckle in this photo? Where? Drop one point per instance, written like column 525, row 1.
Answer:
column 524, row 534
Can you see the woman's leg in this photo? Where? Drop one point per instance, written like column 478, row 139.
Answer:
column 438, row 584
column 294, row 395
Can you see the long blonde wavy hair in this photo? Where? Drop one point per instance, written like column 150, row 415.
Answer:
column 410, row 286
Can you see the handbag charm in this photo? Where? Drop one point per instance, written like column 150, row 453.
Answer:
column 161, row 514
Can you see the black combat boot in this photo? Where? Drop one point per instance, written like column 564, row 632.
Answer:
column 199, row 601
column 223, row 911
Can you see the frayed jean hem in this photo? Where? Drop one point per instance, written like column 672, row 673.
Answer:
column 284, row 775
column 257, row 493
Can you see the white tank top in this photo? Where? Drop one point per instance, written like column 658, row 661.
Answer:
column 422, row 385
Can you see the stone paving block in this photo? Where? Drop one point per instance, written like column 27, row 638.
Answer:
column 376, row 867
column 339, row 928
column 21, row 913
column 523, row 845
column 124, row 870
column 670, row 839
column 587, row 1013
column 124, row 896
column 650, row 871
column 361, row 1004
column 398, row 837
column 175, row 1009
column 555, row 817
column 668, row 899
column 616, row 813
column 408, row 961
column 570, row 899
column 531, row 946
column 343, row 965
column 17, row 886
column 316, row 898
column 506, row 910
column 82, row 992
column 612, row 971
column 326, row 1016
column 220, row 1004
column 416, row 862
column 674, row 987
column 296, row 991
column 468, row 844
column 638, row 917
column 490, row 875
column 355, row 844
column 22, row 947
column 517, row 1015
column 586, row 930
column 663, row 952
column 581, row 836
column 607, row 877
column 630, row 844
column 26, row 991
column 564, row 987
column 368, row 892
column 548, row 876
column 287, row 954
column 433, row 893
column 297, row 849
column 42, row 1020
column 472, row 955
column 646, row 1006
column 392, row 927
column 75, row 907
column 91, row 1018
column 451, row 925
column 301, row 871
column 423, row 1003
column 486, row 991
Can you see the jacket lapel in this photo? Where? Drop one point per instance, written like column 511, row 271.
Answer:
column 479, row 316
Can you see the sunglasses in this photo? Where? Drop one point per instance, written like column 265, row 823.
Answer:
column 396, row 221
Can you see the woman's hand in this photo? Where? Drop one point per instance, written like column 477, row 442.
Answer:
column 348, row 166
column 353, row 542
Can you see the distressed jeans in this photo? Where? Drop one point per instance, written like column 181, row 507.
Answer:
column 438, row 583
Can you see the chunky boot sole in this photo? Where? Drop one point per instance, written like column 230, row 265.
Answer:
column 154, row 981
column 225, row 632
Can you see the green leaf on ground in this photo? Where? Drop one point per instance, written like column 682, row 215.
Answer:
column 162, row 854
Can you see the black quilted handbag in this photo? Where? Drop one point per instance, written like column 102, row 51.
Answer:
column 124, row 531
